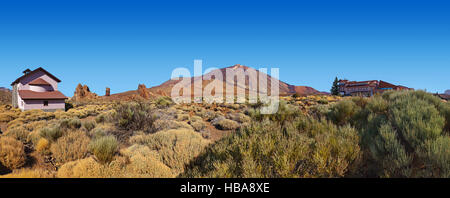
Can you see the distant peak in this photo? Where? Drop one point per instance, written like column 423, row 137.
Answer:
column 238, row 66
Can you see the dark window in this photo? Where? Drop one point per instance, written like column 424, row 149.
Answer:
column 45, row 103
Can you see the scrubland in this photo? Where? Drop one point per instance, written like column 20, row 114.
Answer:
column 396, row 134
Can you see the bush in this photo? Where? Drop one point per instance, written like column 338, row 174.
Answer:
column 163, row 124
column 29, row 173
column 12, row 153
column 70, row 147
column 176, row 147
column 89, row 125
column 138, row 162
column 51, row 134
column 104, row 148
column 43, row 146
column 343, row 111
column 18, row 133
column 416, row 120
column 164, row 102
column 302, row 148
column 145, row 163
column 226, row 124
column 135, row 117
column 198, row 125
column 436, row 154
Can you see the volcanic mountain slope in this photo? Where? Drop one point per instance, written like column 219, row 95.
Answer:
column 165, row 89
column 284, row 88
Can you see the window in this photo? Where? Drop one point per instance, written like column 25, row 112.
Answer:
column 45, row 103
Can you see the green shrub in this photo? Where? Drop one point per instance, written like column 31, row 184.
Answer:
column 135, row 117
column 416, row 120
column 89, row 125
column 52, row 133
column 300, row 148
column 164, row 102
column 104, row 148
column 98, row 133
column 342, row 111
column 70, row 123
column 436, row 155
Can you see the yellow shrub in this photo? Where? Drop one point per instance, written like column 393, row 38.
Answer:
column 145, row 163
column 12, row 153
column 176, row 147
column 72, row 146
column 28, row 173
column 137, row 162
column 8, row 116
column 43, row 146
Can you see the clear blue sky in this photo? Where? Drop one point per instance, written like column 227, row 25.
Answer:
column 121, row 44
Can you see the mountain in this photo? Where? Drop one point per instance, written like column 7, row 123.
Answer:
column 284, row 88
column 447, row 92
column 165, row 88
column 5, row 89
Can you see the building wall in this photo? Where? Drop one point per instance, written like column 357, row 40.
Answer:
column 39, row 104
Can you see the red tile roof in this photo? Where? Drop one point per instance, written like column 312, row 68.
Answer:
column 383, row 84
column 39, row 81
column 34, row 71
column 32, row 95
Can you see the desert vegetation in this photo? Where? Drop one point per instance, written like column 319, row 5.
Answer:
column 395, row 134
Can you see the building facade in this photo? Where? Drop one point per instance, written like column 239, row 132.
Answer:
column 366, row 88
column 37, row 89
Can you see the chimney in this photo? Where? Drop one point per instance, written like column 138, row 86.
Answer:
column 26, row 71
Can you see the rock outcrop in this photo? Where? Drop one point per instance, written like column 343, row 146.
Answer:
column 108, row 91
column 83, row 92
column 143, row 91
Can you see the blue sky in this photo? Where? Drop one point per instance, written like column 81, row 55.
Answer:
column 119, row 44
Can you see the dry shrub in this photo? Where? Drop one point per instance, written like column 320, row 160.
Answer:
column 18, row 133
column 29, row 173
column 145, row 163
column 239, row 117
column 8, row 116
column 89, row 168
column 43, row 146
column 36, row 115
column 163, row 124
column 70, row 147
column 89, row 125
column 226, row 124
column 12, row 153
column 137, row 162
column 198, row 125
column 176, row 147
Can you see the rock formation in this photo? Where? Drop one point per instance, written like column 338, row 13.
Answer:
column 108, row 91
column 83, row 92
column 143, row 91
